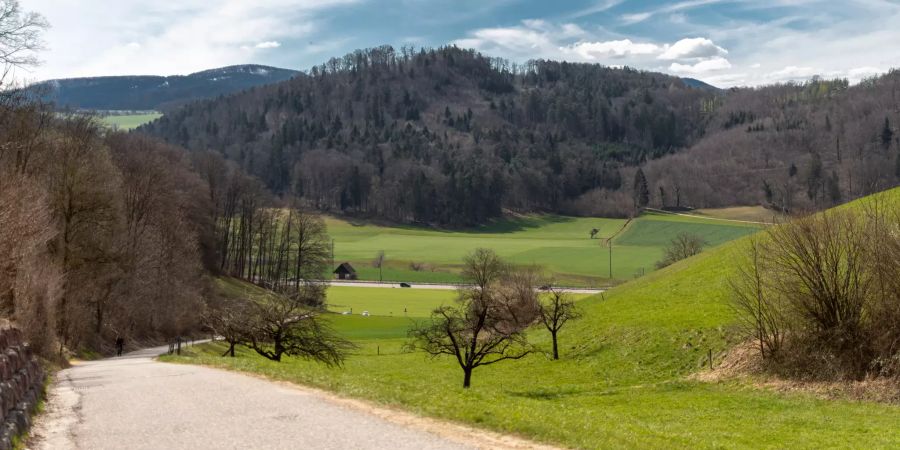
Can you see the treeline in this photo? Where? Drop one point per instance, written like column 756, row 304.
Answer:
column 259, row 237
column 444, row 135
column 105, row 234
column 101, row 234
column 449, row 136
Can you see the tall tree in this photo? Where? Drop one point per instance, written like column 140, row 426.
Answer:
column 641, row 190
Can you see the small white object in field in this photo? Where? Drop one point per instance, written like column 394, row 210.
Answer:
column 365, row 313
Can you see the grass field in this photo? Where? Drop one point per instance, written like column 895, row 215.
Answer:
column 623, row 380
column 561, row 244
column 129, row 121
column 392, row 302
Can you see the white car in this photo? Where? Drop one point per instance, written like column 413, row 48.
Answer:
column 365, row 314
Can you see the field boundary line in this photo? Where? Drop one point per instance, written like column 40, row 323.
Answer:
column 661, row 211
column 620, row 231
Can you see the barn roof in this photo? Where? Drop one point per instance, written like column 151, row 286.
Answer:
column 345, row 267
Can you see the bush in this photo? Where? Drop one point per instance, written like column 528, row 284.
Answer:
column 821, row 294
column 683, row 246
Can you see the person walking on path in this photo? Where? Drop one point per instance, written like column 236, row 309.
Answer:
column 120, row 345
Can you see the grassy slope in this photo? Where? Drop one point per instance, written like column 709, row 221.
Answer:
column 622, row 381
column 560, row 244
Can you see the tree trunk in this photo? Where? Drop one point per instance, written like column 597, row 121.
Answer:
column 467, row 379
column 555, row 347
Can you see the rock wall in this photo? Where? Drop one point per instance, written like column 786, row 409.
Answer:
column 21, row 385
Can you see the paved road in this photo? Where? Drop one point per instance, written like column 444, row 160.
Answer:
column 375, row 284
column 134, row 402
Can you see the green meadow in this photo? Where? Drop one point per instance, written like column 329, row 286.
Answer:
column 624, row 380
column 128, row 121
column 562, row 245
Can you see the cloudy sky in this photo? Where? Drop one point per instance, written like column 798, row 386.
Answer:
column 726, row 43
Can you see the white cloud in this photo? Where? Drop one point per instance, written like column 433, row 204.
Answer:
column 598, row 51
column 633, row 18
column 702, row 67
column 693, row 49
column 132, row 37
column 791, row 73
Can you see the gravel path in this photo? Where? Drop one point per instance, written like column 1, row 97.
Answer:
column 135, row 402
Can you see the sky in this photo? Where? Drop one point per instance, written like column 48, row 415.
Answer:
column 723, row 42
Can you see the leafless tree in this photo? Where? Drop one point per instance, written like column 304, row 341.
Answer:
column 555, row 311
column 283, row 325
column 683, row 246
column 378, row 262
column 819, row 293
column 481, row 329
column 763, row 317
column 20, row 35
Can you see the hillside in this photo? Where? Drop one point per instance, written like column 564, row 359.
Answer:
column 158, row 92
column 624, row 380
column 447, row 135
column 450, row 136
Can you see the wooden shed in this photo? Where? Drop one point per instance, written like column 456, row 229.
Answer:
column 345, row 272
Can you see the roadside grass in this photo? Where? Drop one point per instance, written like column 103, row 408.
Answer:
column 128, row 121
column 562, row 245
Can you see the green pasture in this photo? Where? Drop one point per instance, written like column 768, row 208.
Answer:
column 392, row 302
column 562, row 245
column 128, row 121
column 624, row 380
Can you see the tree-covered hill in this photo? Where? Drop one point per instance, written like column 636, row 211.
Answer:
column 157, row 92
column 450, row 136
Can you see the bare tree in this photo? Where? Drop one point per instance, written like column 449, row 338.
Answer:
column 761, row 316
column 20, row 35
column 378, row 262
column 230, row 318
column 556, row 311
column 481, row 329
column 683, row 246
column 285, row 325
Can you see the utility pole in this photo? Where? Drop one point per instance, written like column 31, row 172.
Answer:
column 610, row 259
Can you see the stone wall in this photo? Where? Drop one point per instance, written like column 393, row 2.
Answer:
column 21, row 385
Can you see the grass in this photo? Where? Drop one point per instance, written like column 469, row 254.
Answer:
column 391, row 302
column 129, row 121
column 624, row 380
column 560, row 244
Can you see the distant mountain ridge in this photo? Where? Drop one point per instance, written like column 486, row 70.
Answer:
column 151, row 92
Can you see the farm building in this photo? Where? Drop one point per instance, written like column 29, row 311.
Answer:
column 345, row 272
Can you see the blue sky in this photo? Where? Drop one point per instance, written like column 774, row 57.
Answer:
column 727, row 43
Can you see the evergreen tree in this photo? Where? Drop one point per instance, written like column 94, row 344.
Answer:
column 641, row 190
column 886, row 134
column 834, row 187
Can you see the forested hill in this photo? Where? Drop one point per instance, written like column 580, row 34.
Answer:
column 444, row 136
column 449, row 136
column 157, row 92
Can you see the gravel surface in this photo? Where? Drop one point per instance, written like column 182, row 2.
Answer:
column 135, row 402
